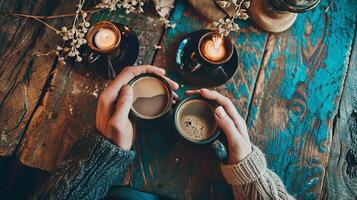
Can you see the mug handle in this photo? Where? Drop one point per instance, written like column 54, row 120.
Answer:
column 195, row 63
column 220, row 150
column 91, row 56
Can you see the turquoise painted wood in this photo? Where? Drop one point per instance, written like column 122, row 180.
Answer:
column 298, row 92
column 342, row 166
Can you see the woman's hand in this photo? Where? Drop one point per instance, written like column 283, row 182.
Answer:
column 232, row 124
column 114, row 105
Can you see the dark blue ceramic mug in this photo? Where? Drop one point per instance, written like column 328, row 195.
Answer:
column 194, row 121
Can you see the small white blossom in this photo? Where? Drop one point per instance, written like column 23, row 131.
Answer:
column 78, row 59
column 61, row 60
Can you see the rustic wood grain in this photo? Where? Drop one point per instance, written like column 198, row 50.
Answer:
column 297, row 93
column 169, row 166
column 70, row 103
column 342, row 167
column 19, row 89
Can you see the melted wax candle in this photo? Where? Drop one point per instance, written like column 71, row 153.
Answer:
column 105, row 39
column 214, row 49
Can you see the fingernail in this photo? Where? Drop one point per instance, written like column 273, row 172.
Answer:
column 220, row 112
column 204, row 90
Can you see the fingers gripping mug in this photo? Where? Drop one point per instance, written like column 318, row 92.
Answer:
column 195, row 122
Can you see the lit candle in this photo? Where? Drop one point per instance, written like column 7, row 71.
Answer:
column 105, row 39
column 214, row 49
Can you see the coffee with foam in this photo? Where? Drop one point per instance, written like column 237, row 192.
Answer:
column 195, row 120
column 151, row 97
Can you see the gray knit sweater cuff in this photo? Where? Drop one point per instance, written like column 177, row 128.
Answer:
column 247, row 170
column 88, row 170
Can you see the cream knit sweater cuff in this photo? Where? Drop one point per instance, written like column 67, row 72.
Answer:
column 247, row 170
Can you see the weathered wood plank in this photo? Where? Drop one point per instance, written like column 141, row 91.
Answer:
column 167, row 165
column 297, row 93
column 70, row 103
column 342, row 167
column 19, row 89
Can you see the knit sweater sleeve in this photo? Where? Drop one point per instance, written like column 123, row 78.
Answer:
column 87, row 171
column 251, row 179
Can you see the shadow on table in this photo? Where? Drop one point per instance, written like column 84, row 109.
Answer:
column 18, row 181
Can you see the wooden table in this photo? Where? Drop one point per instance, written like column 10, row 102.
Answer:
column 297, row 91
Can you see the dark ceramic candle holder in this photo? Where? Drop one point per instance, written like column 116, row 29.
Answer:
column 109, row 62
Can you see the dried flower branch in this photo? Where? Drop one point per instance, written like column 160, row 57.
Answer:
column 163, row 8
column 74, row 36
column 129, row 5
column 228, row 24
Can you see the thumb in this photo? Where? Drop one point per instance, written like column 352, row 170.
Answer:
column 227, row 125
column 124, row 103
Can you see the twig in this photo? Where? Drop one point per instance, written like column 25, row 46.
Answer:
column 39, row 20
column 53, row 16
column 36, row 53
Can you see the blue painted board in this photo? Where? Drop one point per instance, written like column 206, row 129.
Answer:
column 297, row 95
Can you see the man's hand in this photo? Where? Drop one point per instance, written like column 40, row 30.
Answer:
column 114, row 105
column 232, row 124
